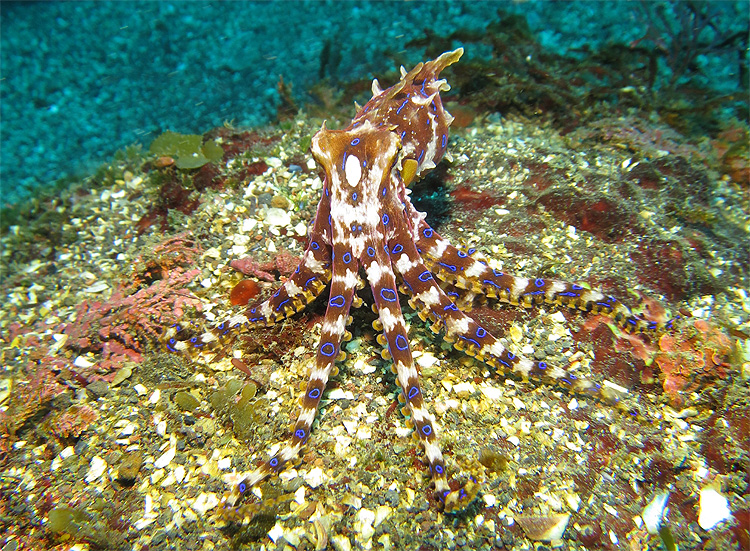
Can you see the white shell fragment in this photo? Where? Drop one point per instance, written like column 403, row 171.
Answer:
column 544, row 528
column 653, row 513
column 276, row 217
column 714, row 508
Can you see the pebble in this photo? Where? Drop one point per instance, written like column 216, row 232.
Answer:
column 96, row 469
column 276, row 217
column 714, row 508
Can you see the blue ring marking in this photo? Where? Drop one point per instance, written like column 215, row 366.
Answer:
column 472, row 251
column 542, row 365
column 370, row 251
column 452, row 307
column 497, row 273
column 411, row 289
column 506, row 364
column 343, row 161
column 177, row 325
column 569, row 294
column 281, row 304
column 472, row 341
column 397, row 249
column 385, row 248
column 631, row 321
column 421, row 90
column 386, row 219
column 413, row 391
column 461, row 254
column 326, row 351
column 385, row 190
column 314, row 394
column 169, row 347
column 576, row 287
column 354, row 142
column 274, row 462
column 364, row 163
column 605, row 304
column 491, row 283
column 337, row 302
column 438, row 469
column 425, row 276
column 242, row 487
column 427, row 232
column 427, row 430
column 326, row 191
column 433, row 105
column 307, row 283
column 451, row 267
column 299, row 433
column 330, row 220
column 356, row 124
column 444, row 140
column 354, row 226
column 220, row 327
column 276, row 294
column 419, row 159
column 539, row 282
column 401, row 342
column 388, row 295
column 452, row 294
column 314, row 245
column 540, row 292
column 402, row 135
column 398, row 111
column 481, row 333
column 511, row 356
column 354, row 196
column 344, row 258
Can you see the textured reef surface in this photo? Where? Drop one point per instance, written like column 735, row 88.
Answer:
column 110, row 441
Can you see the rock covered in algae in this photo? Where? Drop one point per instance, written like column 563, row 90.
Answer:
column 188, row 150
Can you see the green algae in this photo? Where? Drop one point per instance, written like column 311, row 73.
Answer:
column 188, row 150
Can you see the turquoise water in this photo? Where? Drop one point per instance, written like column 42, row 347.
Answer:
column 81, row 80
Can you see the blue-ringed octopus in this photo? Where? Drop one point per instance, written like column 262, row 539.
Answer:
column 367, row 225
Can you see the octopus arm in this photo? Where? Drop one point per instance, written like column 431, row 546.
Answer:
column 333, row 331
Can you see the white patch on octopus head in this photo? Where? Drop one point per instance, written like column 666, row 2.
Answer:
column 353, row 170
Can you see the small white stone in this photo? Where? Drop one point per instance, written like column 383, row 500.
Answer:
column 166, row 458
column 274, row 162
column 714, row 508
column 653, row 513
column 315, row 477
column 248, row 224
column 491, row 392
column 381, row 513
column 340, row 394
column 426, row 359
column 301, row 229
column 277, row 217
column 558, row 316
column 96, row 469
column 224, row 464
column 140, row 389
column 205, row 502
column 80, row 361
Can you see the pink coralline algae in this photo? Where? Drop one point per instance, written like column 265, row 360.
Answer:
column 699, row 352
column 119, row 328
column 284, row 263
